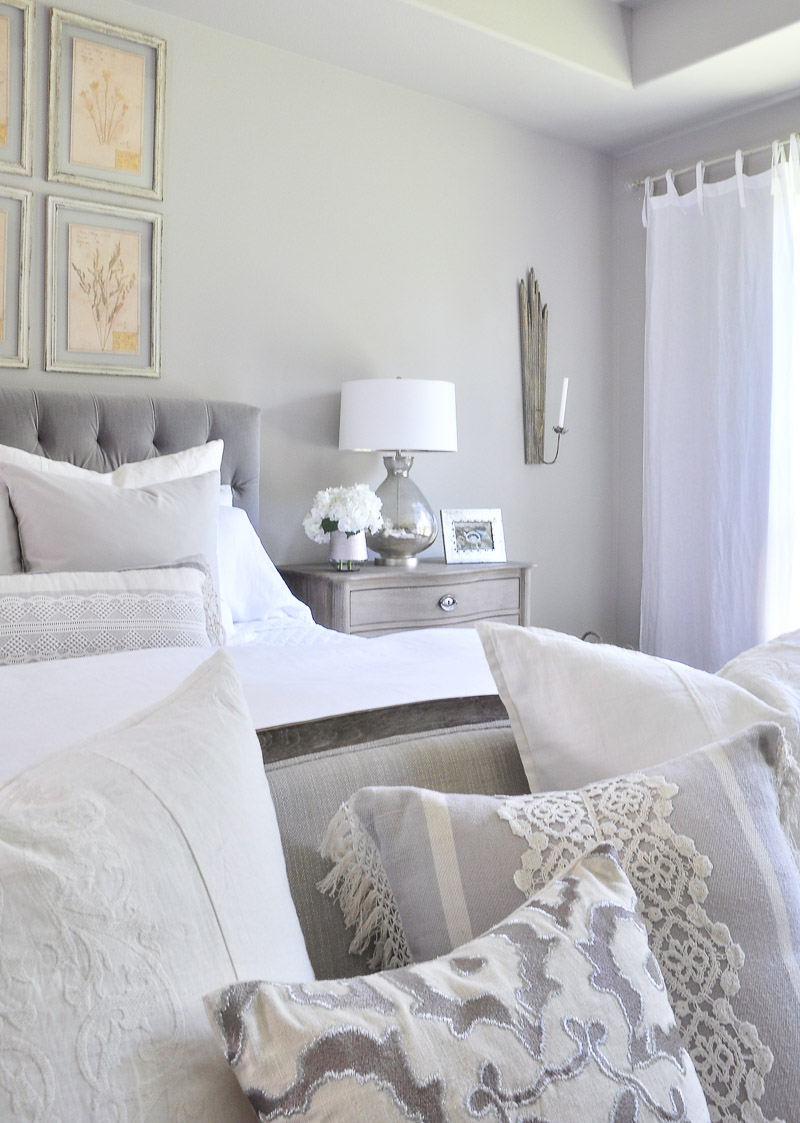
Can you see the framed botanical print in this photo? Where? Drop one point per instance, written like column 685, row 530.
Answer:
column 106, row 121
column 17, row 19
column 103, row 289
column 15, row 271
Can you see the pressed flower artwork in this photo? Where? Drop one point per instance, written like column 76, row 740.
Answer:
column 15, row 252
column 103, row 294
column 107, row 106
column 3, row 271
column 5, row 68
column 103, row 289
column 16, row 95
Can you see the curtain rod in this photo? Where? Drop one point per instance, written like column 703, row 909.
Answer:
column 706, row 164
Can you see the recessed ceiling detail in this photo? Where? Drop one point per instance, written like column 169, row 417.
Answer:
column 609, row 74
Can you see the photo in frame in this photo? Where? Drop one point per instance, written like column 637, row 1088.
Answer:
column 15, row 270
column 473, row 535
column 103, row 289
column 106, row 119
column 17, row 20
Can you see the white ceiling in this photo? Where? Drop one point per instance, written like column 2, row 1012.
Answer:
column 610, row 74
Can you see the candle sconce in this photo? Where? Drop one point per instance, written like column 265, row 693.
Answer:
column 533, row 342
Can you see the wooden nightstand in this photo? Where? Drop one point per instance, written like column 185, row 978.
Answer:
column 385, row 598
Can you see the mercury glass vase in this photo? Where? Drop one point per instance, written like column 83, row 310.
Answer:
column 347, row 551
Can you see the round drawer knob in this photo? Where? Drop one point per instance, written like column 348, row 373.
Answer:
column 447, row 602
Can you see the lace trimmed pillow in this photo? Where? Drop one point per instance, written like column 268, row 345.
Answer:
column 701, row 839
column 558, row 1013
column 68, row 615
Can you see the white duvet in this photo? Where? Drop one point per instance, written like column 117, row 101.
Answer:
column 290, row 673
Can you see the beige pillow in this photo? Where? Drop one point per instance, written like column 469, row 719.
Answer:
column 156, row 469
column 67, row 526
column 586, row 711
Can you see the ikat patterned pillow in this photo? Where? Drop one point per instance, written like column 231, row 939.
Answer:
column 558, row 1013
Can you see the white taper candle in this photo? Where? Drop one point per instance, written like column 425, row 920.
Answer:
column 563, row 411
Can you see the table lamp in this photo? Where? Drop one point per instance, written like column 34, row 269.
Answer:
column 401, row 416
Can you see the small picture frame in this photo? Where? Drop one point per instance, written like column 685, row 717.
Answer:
column 17, row 21
column 473, row 535
column 15, row 272
column 106, row 116
column 103, row 289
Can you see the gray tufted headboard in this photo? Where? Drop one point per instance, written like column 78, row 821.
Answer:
column 102, row 432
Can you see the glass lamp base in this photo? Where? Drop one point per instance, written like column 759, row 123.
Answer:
column 396, row 561
column 409, row 524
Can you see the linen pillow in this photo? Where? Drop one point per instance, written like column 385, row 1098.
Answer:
column 157, row 469
column 700, row 838
column 64, row 526
column 584, row 711
column 770, row 671
column 249, row 583
column 68, row 615
column 559, row 1011
column 139, row 870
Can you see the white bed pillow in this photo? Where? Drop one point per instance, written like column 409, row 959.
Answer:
column 139, row 870
column 156, row 469
column 586, row 711
column 69, row 615
column 249, row 584
column 66, row 526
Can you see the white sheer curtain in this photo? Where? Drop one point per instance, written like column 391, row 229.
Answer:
column 782, row 583
column 721, row 480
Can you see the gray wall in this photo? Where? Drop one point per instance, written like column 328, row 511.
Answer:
column 747, row 131
column 321, row 226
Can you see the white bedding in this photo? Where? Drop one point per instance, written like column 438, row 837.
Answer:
column 289, row 673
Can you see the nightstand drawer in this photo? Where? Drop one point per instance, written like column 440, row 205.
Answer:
column 420, row 604
column 379, row 599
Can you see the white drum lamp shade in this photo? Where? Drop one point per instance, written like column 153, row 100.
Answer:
column 399, row 415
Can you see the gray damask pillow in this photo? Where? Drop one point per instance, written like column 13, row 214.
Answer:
column 558, row 1013
column 67, row 615
column 700, row 838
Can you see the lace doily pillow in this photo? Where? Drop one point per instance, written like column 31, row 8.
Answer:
column 702, row 842
column 68, row 615
column 558, row 1013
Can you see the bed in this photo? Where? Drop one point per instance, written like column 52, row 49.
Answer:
column 460, row 873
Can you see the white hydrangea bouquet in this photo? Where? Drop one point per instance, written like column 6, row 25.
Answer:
column 349, row 509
